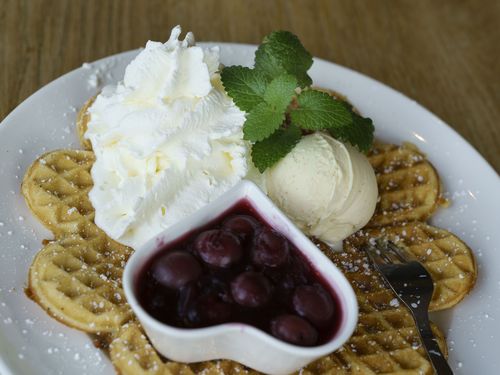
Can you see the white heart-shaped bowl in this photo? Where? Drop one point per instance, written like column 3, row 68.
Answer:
column 240, row 342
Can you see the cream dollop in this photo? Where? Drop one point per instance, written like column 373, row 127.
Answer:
column 167, row 140
column 326, row 187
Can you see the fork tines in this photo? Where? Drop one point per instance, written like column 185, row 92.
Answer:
column 386, row 252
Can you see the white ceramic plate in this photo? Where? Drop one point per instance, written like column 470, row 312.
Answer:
column 33, row 343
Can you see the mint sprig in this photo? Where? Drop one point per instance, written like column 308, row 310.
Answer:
column 317, row 111
column 280, row 105
column 280, row 53
column 359, row 134
column 280, row 92
column 262, row 121
column 246, row 86
column 269, row 151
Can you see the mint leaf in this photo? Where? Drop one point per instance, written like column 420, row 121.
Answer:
column 280, row 91
column 246, row 86
column 266, row 92
column 359, row 133
column 318, row 110
column 268, row 152
column 281, row 52
column 262, row 121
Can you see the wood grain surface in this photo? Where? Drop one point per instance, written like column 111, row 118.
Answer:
column 444, row 54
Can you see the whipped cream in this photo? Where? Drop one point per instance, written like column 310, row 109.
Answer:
column 326, row 187
column 167, row 139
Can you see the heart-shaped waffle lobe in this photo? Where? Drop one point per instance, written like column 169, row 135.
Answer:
column 386, row 340
column 77, row 277
column 408, row 185
column 448, row 259
column 78, row 282
column 56, row 188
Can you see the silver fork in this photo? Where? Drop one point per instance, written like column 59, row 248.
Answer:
column 413, row 285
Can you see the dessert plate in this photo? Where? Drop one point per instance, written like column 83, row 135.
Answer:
column 33, row 342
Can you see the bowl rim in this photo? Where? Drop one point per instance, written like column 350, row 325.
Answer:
column 244, row 189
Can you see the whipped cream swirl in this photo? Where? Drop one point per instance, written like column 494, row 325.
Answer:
column 167, row 139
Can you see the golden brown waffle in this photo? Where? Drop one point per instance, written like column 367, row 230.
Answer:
column 385, row 341
column 82, row 120
column 77, row 277
column 408, row 185
column 448, row 259
column 78, row 281
column 56, row 188
column 132, row 354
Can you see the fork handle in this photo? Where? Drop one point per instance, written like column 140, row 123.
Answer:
column 431, row 346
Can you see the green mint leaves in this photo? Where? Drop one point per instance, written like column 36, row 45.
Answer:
column 246, row 86
column 359, row 133
column 282, row 53
column 280, row 105
column 317, row 110
column 262, row 121
column 268, row 152
column 264, row 99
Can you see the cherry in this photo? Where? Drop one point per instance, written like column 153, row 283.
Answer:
column 243, row 226
column 209, row 310
column 238, row 269
column 294, row 329
column 216, row 312
column 219, row 248
column 251, row 289
column 187, row 298
column 175, row 269
column 217, row 286
column 313, row 303
column 270, row 248
column 158, row 303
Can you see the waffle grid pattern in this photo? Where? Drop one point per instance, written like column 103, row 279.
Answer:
column 77, row 277
column 385, row 340
column 79, row 283
column 449, row 260
column 85, row 270
column 56, row 189
column 408, row 185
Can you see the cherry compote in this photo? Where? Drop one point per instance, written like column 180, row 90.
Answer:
column 237, row 268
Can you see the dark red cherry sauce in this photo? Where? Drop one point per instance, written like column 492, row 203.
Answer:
column 237, row 268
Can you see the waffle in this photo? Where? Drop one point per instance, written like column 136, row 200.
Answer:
column 78, row 282
column 409, row 188
column 449, row 260
column 385, row 341
column 56, row 187
column 82, row 120
column 132, row 354
column 77, row 277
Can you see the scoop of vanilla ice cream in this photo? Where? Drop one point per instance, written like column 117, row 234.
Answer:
column 167, row 139
column 326, row 187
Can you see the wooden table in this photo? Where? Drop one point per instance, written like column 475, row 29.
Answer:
column 444, row 54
